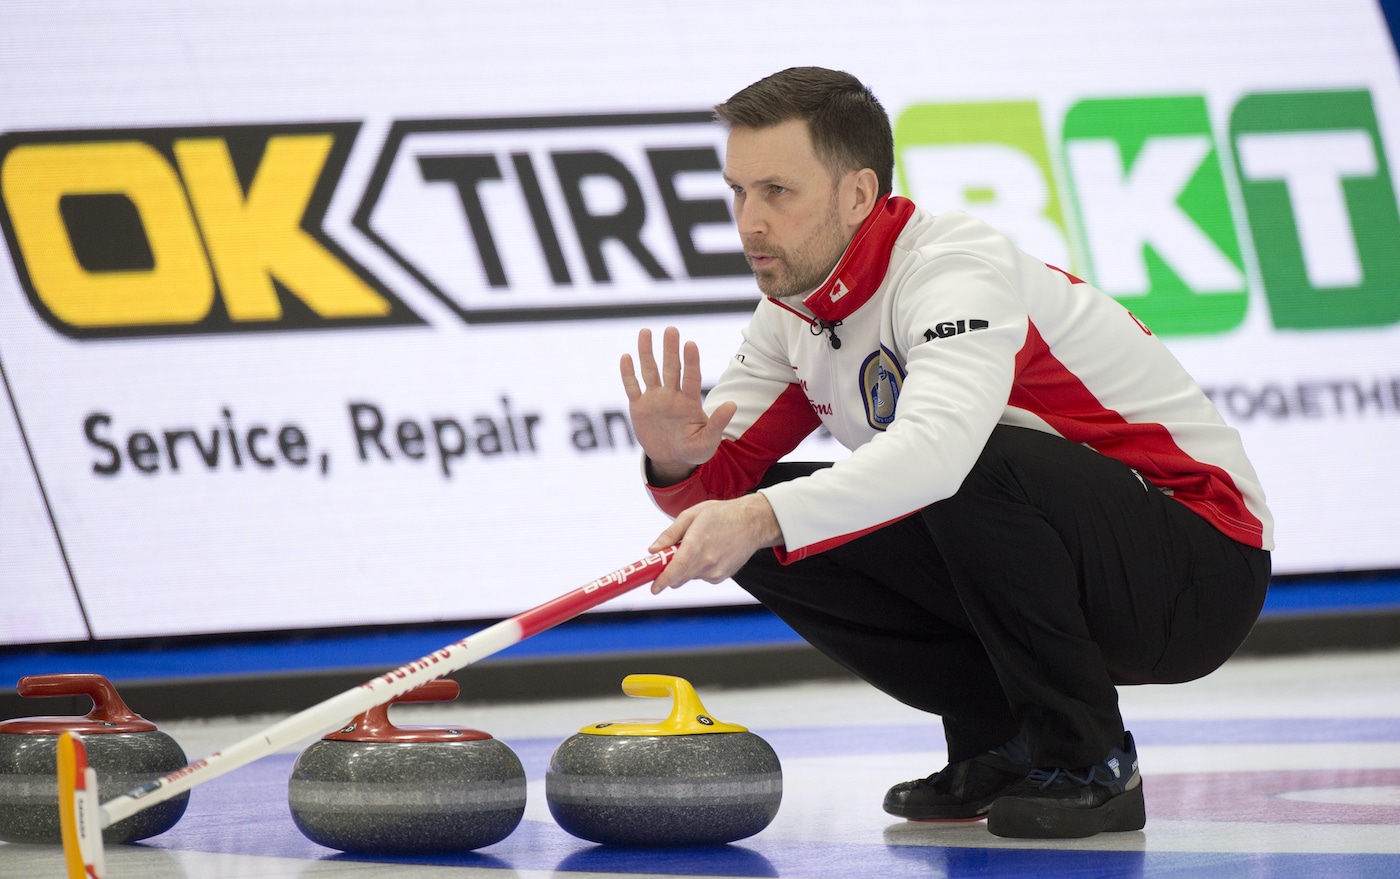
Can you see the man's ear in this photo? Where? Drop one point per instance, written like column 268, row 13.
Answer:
column 861, row 192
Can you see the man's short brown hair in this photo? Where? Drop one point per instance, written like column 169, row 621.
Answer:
column 849, row 128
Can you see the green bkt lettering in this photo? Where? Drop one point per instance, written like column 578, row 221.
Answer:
column 1321, row 205
column 159, row 231
column 990, row 160
column 1155, row 212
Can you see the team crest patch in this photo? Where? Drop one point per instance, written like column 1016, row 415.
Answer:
column 881, row 377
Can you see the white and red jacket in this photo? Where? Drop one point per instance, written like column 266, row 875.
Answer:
column 945, row 330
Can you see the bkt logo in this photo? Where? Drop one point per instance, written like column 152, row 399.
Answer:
column 1157, row 212
column 561, row 217
column 156, row 231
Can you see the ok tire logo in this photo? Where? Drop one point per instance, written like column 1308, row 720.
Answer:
column 165, row 231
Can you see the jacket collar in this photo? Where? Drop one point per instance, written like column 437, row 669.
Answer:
column 862, row 267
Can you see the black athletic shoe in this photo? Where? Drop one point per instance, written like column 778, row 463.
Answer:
column 961, row 791
column 1059, row 804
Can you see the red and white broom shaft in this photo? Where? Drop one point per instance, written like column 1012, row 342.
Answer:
column 339, row 710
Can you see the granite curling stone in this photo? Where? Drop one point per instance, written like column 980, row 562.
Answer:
column 124, row 749
column 375, row 788
column 688, row 780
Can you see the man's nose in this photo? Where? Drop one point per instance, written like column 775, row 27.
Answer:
column 748, row 216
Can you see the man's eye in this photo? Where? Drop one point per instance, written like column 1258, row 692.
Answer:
column 777, row 190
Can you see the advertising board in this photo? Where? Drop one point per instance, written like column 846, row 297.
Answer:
column 310, row 315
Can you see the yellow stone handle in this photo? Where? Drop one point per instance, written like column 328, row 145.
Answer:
column 688, row 715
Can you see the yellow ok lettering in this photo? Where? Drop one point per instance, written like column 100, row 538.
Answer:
column 253, row 239
column 178, row 289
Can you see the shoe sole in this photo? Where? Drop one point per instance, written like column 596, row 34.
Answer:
column 1022, row 818
column 967, row 812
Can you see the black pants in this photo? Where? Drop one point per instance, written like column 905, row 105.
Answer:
column 1017, row 604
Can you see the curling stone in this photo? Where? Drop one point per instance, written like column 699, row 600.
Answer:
column 684, row 781
column 124, row 748
column 375, row 788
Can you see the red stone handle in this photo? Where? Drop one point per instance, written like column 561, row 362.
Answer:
column 440, row 690
column 109, row 713
column 374, row 725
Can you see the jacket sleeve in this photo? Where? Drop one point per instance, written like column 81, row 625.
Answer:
column 774, row 416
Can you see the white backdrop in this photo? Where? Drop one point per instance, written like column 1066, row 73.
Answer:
column 312, row 251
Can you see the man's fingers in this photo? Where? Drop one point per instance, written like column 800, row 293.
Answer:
column 629, row 379
column 690, row 378
column 719, row 420
column 687, row 566
column 675, row 574
column 679, row 369
column 671, row 536
column 647, row 359
column 671, row 358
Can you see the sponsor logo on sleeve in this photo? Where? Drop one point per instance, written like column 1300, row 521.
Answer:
column 947, row 328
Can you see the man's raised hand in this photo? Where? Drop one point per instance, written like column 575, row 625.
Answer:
column 667, row 416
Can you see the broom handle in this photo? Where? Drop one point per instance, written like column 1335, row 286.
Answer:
column 339, row 710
